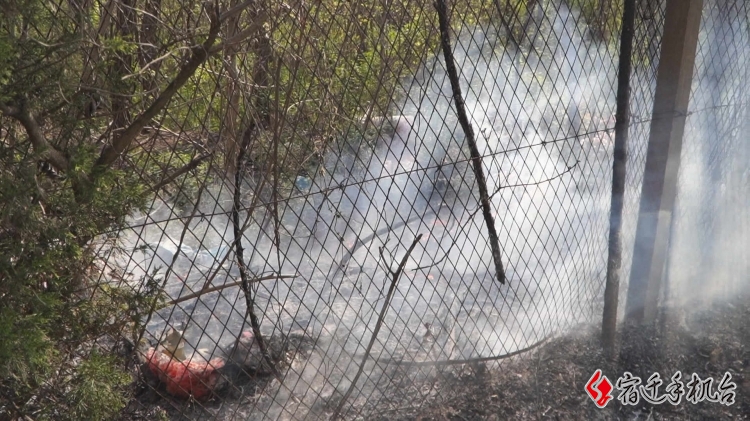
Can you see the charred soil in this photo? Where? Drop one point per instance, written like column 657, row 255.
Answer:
column 549, row 383
column 546, row 383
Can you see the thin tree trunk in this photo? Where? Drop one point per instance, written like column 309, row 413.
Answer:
column 230, row 128
column 614, row 262
column 258, row 96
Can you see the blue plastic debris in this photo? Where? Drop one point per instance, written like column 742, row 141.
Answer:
column 303, row 182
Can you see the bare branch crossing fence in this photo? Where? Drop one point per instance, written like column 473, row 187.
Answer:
column 320, row 183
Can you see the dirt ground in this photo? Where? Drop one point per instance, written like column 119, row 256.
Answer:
column 549, row 383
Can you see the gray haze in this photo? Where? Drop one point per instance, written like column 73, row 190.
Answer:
column 543, row 115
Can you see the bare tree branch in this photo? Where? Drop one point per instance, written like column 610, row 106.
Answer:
column 145, row 67
column 239, row 253
column 38, row 141
column 154, row 304
column 199, row 54
column 533, row 183
column 225, row 286
column 235, row 10
column 241, row 36
column 506, row 24
column 476, row 159
column 394, row 281
column 123, row 141
column 187, row 167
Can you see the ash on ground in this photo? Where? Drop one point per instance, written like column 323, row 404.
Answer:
column 549, row 383
column 546, row 383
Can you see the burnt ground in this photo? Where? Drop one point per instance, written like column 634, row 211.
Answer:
column 544, row 384
column 549, row 382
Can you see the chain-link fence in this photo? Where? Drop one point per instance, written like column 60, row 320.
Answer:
column 709, row 250
column 314, row 242
column 326, row 235
column 707, row 234
column 328, row 208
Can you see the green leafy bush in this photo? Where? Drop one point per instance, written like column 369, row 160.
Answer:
column 52, row 318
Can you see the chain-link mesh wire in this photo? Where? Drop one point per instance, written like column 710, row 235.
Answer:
column 330, row 142
column 649, row 27
column 336, row 189
column 708, row 258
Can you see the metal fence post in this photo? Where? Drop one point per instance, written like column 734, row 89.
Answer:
column 671, row 100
